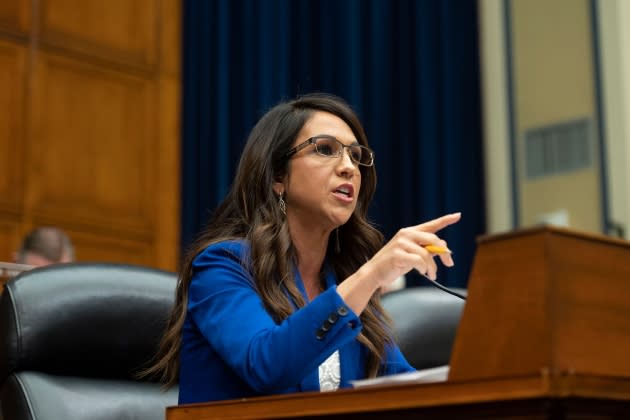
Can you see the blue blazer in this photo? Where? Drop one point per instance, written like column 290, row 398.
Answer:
column 232, row 348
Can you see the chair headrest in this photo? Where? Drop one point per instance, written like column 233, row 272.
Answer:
column 425, row 323
column 84, row 319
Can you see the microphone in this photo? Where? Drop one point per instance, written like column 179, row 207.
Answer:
column 444, row 288
column 435, row 249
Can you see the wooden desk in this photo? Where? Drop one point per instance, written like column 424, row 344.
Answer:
column 533, row 397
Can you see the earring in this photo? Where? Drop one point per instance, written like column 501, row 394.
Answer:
column 337, row 246
column 282, row 204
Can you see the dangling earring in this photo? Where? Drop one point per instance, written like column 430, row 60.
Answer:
column 282, row 204
column 337, row 246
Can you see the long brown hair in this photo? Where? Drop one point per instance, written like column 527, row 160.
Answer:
column 250, row 211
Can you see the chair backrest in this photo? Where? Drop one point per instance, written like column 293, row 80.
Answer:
column 73, row 337
column 425, row 323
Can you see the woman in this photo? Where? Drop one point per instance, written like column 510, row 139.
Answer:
column 280, row 292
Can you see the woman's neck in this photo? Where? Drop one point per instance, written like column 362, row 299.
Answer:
column 310, row 246
column 311, row 253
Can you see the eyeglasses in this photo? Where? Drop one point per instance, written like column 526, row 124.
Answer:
column 329, row 146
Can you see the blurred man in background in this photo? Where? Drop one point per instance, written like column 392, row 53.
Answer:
column 45, row 245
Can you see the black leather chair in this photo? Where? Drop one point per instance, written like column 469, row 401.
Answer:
column 425, row 323
column 73, row 336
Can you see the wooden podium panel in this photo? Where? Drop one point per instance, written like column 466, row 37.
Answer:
column 546, row 298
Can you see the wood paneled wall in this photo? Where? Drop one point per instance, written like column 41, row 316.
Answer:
column 90, row 126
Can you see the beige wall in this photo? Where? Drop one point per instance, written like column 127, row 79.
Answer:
column 554, row 82
column 614, row 16
column 495, row 116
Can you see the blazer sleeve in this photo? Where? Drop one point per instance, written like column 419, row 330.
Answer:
column 270, row 357
column 395, row 362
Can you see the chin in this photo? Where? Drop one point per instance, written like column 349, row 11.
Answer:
column 340, row 220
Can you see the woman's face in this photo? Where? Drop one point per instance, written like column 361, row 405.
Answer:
column 321, row 192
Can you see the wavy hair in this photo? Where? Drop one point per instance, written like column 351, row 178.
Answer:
column 250, row 211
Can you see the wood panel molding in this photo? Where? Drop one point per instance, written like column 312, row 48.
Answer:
column 167, row 185
column 15, row 17
column 170, row 39
column 90, row 126
column 9, row 238
column 12, row 67
column 100, row 247
column 169, row 104
column 120, row 31
column 94, row 157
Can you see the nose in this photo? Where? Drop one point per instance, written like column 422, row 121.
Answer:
column 346, row 166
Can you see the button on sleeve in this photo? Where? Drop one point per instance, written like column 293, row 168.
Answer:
column 342, row 311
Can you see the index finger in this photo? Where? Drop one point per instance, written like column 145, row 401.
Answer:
column 439, row 223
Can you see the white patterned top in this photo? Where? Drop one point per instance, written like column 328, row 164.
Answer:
column 330, row 373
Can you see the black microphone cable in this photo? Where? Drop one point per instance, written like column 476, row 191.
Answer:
column 441, row 287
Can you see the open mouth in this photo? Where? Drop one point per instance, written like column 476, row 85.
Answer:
column 345, row 190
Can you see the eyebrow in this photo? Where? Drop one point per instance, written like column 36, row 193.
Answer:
column 354, row 143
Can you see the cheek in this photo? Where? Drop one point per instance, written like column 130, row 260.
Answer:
column 357, row 181
column 359, row 185
column 309, row 181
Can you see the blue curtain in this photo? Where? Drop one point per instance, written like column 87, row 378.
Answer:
column 410, row 68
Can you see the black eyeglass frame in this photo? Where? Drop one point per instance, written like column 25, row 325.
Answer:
column 313, row 141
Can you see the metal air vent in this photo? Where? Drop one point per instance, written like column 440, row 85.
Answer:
column 559, row 148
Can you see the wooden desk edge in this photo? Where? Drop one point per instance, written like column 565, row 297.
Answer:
column 402, row 396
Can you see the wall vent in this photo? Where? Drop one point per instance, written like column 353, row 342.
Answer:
column 559, row 148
